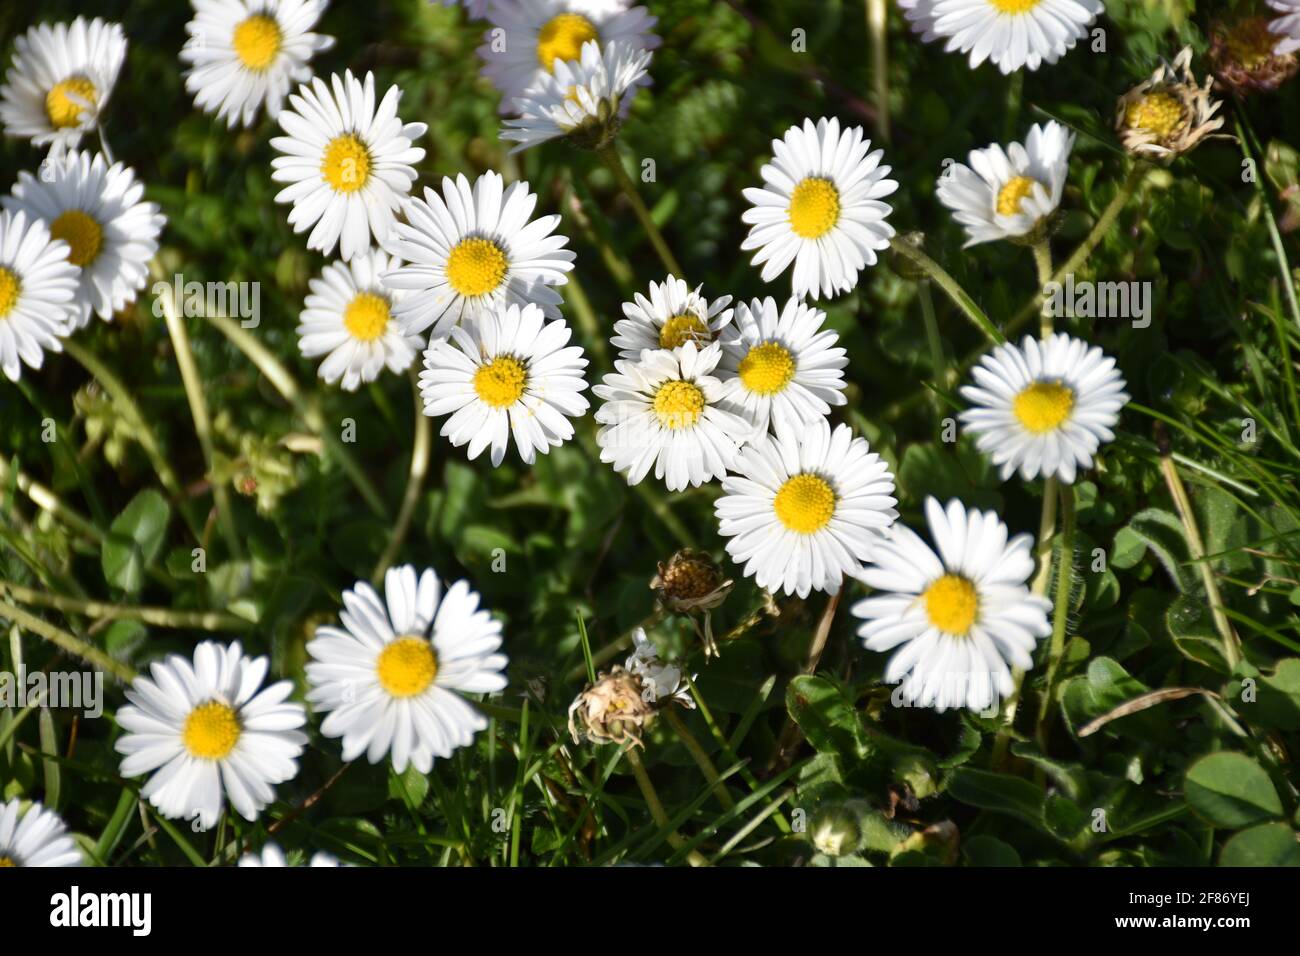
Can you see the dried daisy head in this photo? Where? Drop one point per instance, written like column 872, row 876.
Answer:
column 612, row 710
column 1167, row 114
column 690, row 581
column 1244, row 58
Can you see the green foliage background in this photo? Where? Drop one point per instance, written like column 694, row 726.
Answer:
column 1194, row 780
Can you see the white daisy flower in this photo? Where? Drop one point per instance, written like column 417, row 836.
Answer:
column 38, row 292
column 468, row 251
column 273, row 856
column 98, row 210
column 672, row 316
column 665, row 410
column 920, row 14
column 348, row 318
column 962, row 618
column 805, row 508
column 820, row 208
column 61, row 80
column 388, row 677
column 781, row 367
column 208, row 727
column 38, row 837
column 347, row 162
column 1008, row 194
column 509, row 373
column 245, row 54
column 661, row 681
column 1044, row 408
column 526, row 39
column 583, row 99
column 1286, row 26
column 1011, row 33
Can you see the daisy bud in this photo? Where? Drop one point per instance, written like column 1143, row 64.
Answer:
column 612, row 710
column 837, row 828
column 1167, row 114
column 1244, row 57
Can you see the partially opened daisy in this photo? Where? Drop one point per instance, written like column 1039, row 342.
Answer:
column 673, row 315
column 61, row 80
column 1011, row 193
column 207, row 730
column 347, row 162
column 1012, row 34
column 36, row 836
column 348, row 319
column 38, row 292
column 469, row 250
column 1286, row 26
column 527, row 39
column 805, row 508
column 1044, row 408
column 100, row 212
column 392, row 676
column 246, row 54
column 780, row 365
column 509, row 373
column 664, row 411
column 584, row 100
column 821, row 208
column 273, row 856
column 960, row 618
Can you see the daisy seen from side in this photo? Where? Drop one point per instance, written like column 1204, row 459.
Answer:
column 38, row 293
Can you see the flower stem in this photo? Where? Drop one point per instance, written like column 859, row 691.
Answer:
column 609, row 154
column 45, row 499
column 939, row 365
column 158, row 616
column 420, row 448
column 877, row 18
column 1060, row 609
column 1245, row 134
column 656, row 807
column 62, row 639
column 1043, row 264
column 699, row 755
column 959, row 296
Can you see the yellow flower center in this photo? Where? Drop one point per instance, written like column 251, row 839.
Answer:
column 407, row 666
column 501, row 382
column 82, row 233
column 767, row 368
column 476, row 266
column 366, row 317
column 1013, row 193
column 952, row 604
column 66, row 101
column 346, row 166
column 814, row 207
column 1043, row 406
column 805, row 503
column 1159, row 113
column 7, row 861
column 681, row 329
column 211, row 730
column 1250, row 43
column 257, row 41
column 678, row 404
column 10, row 290
column 562, row 37
column 1014, row 6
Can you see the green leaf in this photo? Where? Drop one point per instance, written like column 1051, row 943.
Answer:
column 1163, row 534
column 983, row 850
column 1269, row 844
column 134, row 540
column 1127, row 550
column 1230, row 790
column 826, row 716
column 998, row 792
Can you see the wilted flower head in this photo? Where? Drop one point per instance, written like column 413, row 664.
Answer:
column 1244, row 56
column 690, row 581
column 1167, row 114
column 612, row 710
column 661, row 682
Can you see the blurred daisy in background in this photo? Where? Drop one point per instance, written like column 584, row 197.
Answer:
column 389, row 677
column 781, row 366
column 348, row 319
column 61, row 79
column 246, row 54
column 208, row 728
column 672, row 316
column 1044, row 408
column 1012, row 34
column 804, row 509
column 820, row 208
column 961, row 618
column 273, row 856
column 1286, row 26
column 583, row 100
column 36, row 837
column 470, row 250
column 509, row 373
column 38, row 292
column 1009, row 194
column 527, row 39
column 347, row 162
column 98, row 210
column 664, row 411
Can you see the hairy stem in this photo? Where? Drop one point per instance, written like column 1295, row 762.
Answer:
column 420, row 448
column 948, row 284
column 609, row 155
